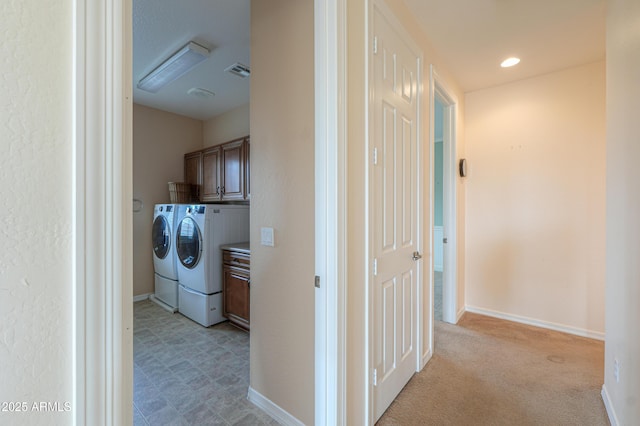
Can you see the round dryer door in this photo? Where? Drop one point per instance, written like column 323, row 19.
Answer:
column 189, row 243
column 161, row 237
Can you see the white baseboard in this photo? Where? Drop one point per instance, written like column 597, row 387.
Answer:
column 537, row 323
column 613, row 419
column 460, row 314
column 272, row 409
column 163, row 305
column 141, row 297
column 425, row 359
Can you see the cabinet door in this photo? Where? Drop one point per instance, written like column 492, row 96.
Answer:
column 236, row 296
column 192, row 168
column 233, row 170
column 211, row 185
column 247, row 169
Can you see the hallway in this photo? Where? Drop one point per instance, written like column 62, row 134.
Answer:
column 487, row 371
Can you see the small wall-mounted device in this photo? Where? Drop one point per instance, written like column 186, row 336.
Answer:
column 266, row 237
column 462, row 167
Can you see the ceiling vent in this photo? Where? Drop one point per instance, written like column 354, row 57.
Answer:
column 239, row 70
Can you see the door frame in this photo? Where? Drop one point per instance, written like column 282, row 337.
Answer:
column 102, row 220
column 420, row 267
column 330, row 211
column 438, row 88
column 103, row 270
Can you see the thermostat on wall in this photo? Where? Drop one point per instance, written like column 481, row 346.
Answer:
column 462, row 165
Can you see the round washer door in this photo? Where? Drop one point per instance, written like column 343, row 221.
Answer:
column 161, row 237
column 189, row 243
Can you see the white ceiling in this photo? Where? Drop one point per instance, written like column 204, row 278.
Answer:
column 471, row 37
column 161, row 27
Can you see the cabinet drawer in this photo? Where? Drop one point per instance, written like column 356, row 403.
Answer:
column 235, row 258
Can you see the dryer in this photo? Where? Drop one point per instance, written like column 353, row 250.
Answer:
column 200, row 232
column 164, row 255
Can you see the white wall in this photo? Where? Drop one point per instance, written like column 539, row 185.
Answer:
column 160, row 140
column 623, row 210
column 231, row 125
column 36, row 218
column 282, row 197
column 536, row 199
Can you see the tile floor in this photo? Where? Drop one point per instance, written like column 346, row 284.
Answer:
column 185, row 374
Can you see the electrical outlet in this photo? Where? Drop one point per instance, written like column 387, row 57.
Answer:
column 616, row 370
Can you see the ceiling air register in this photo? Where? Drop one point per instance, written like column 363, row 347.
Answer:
column 239, row 69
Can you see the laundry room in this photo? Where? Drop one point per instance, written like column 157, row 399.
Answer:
column 246, row 140
column 191, row 201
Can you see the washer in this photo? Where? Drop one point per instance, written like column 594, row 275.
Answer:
column 201, row 230
column 164, row 255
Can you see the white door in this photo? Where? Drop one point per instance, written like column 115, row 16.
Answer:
column 395, row 209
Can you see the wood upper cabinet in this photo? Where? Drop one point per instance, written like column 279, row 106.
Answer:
column 220, row 172
column 232, row 154
column 211, row 185
column 193, row 170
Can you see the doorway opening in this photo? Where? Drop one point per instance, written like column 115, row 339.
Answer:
column 444, row 206
column 193, row 364
column 438, row 208
column 103, row 311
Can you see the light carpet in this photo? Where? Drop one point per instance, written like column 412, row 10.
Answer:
column 487, row 371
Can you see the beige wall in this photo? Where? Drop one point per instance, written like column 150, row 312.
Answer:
column 160, row 140
column 36, row 178
column 623, row 210
column 536, row 199
column 282, row 197
column 231, row 125
column 357, row 208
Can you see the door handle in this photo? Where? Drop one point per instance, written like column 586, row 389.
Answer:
column 416, row 255
column 444, row 240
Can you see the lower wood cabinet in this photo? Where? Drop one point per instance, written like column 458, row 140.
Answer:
column 236, row 286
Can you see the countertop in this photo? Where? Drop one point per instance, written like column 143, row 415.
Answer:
column 242, row 247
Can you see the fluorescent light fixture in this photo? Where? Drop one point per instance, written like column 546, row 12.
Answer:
column 178, row 64
column 509, row 62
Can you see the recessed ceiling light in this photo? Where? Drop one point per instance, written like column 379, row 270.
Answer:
column 509, row 62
